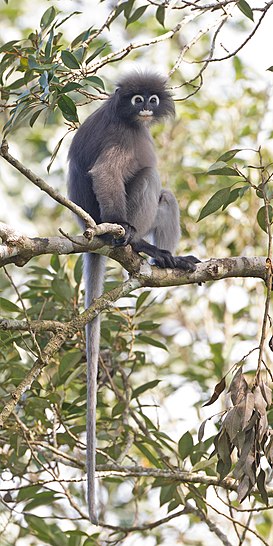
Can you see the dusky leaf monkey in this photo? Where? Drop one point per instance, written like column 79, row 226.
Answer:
column 113, row 176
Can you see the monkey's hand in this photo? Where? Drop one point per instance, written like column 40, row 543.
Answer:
column 127, row 237
column 122, row 241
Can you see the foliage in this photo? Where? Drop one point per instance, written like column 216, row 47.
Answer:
column 160, row 348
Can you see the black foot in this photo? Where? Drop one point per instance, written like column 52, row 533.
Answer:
column 164, row 259
column 186, row 263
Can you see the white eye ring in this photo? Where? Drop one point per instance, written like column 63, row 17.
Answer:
column 137, row 99
column 154, row 99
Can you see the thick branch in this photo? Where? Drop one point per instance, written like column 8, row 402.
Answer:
column 19, row 249
column 4, row 152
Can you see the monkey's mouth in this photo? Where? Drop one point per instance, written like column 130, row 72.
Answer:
column 145, row 114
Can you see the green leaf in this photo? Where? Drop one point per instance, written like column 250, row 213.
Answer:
column 27, row 492
column 35, row 116
column 214, row 203
column 119, row 10
column 78, row 270
column 43, row 80
column 92, row 540
column 47, row 17
column 17, row 83
column 245, row 8
column 62, row 289
column 69, row 59
column 145, row 387
column 142, row 298
column 128, row 8
column 227, row 156
column 48, row 47
column 185, row 445
column 167, row 493
column 6, row 305
column 151, row 341
column 221, row 168
column 96, row 53
column 70, row 86
column 81, row 37
column 235, row 194
column 46, row 532
column 55, row 262
column 95, row 81
column 136, row 15
column 160, row 15
column 68, row 108
column 44, row 498
column 147, row 453
column 148, row 325
column 8, row 46
column 69, row 360
column 261, row 217
column 118, row 409
column 37, row 524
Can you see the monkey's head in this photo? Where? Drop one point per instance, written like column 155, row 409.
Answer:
column 143, row 97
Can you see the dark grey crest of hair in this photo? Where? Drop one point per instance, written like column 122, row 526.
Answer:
column 138, row 82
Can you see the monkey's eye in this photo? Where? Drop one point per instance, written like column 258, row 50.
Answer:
column 137, row 99
column 154, row 99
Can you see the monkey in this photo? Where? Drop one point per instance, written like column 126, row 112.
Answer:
column 113, row 176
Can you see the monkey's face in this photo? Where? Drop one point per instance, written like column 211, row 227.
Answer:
column 140, row 107
column 143, row 98
column 145, row 106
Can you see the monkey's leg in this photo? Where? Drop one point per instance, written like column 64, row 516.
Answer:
column 165, row 232
column 142, row 196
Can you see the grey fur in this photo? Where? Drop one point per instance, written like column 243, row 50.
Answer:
column 113, row 176
column 94, row 268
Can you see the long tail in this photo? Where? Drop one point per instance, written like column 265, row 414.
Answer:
column 94, row 267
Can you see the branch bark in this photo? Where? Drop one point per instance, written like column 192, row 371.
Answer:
column 19, row 249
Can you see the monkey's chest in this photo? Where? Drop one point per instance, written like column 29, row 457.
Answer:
column 144, row 154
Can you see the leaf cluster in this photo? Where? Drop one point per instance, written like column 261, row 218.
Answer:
column 48, row 72
column 224, row 197
column 245, row 429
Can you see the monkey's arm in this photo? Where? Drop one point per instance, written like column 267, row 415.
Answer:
column 109, row 174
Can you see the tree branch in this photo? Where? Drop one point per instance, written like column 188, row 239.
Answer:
column 92, row 227
column 19, row 249
column 56, row 342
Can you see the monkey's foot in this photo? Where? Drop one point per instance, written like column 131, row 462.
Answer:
column 186, row 263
